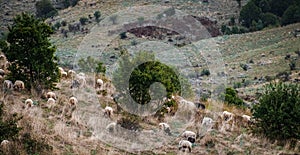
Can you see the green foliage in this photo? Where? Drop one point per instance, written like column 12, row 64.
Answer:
column 143, row 71
column 45, row 9
column 277, row 115
column 97, row 15
column 90, row 65
column 33, row 146
column 250, row 12
column 83, row 20
column 57, row 25
column 205, row 72
column 30, row 52
column 8, row 128
column 231, row 97
column 291, row 15
column 100, row 68
column 270, row 19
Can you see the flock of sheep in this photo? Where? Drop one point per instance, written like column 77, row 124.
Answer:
column 225, row 121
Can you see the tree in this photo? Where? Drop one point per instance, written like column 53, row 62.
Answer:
column 45, row 9
column 270, row 19
column 264, row 5
column 279, row 7
column 277, row 115
column 291, row 15
column 97, row 15
column 250, row 12
column 31, row 54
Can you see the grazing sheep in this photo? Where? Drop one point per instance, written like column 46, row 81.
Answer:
column 108, row 111
column 2, row 57
column 61, row 69
column 189, row 135
column 111, row 127
column 227, row 116
column 4, row 146
column 28, row 103
column 51, row 95
column 2, row 72
column 50, row 102
column 247, row 120
column 99, row 83
column 165, row 127
column 73, row 101
column 64, row 74
column 19, row 85
column 7, row 84
column 207, row 122
column 71, row 73
column 184, row 144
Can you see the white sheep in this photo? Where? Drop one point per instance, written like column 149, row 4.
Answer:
column 165, row 127
column 184, row 144
column 19, row 85
column 99, row 83
column 108, row 111
column 64, row 74
column 2, row 57
column 7, row 84
column 51, row 94
column 189, row 135
column 247, row 119
column 111, row 127
column 227, row 116
column 50, row 102
column 73, row 101
column 71, row 73
column 61, row 69
column 4, row 146
column 28, row 103
column 207, row 122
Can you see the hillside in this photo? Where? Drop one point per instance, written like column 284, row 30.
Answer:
column 181, row 39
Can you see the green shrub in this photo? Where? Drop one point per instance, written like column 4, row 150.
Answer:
column 231, row 97
column 277, row 115
column 205, row 72
column 83, row 20
column 45, row 9
column 97, row 15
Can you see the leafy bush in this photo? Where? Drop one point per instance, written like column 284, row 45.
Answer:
column 123, row 35
column 205, row 72
column 231, row 97
column 45, row 9
column 83, row 20
column 130, row 122
column 97, row 15
column 277, row 115
column 8, row 128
